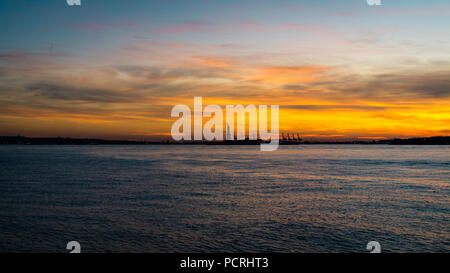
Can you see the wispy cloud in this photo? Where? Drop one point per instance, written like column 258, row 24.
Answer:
column 247, row 26
column 97, row 26
column 83, row 94
column 191, row 26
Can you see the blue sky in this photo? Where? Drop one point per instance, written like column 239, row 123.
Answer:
column 31, row 25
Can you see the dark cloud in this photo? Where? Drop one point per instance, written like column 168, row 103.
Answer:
column 163, row 73
column 333, row 107
column 415, row 86
column 386, row 86
column 31, row 55
column 35, row 107
column 86, row 94
column 295, row 87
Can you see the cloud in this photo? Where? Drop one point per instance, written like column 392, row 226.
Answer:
column 248, row 26
column 169, row 75
column 30, row 55
column 86, row 94
column 399, row 85
column 396, row 12
column 294, row 69
column 287, row 75
column 335, row 107
column 95, row 26
column 191, row 26
column 443, row 11
column 213, row 61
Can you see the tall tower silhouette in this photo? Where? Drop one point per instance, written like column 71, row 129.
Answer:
column 228, row 132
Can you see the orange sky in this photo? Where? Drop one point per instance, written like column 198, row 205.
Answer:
column 333, row 79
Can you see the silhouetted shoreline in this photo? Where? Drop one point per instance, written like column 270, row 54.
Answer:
column 437, row 140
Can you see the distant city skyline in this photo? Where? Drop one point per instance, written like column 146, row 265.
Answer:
column 114, row 69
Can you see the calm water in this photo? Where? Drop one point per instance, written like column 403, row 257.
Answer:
column 325, row 198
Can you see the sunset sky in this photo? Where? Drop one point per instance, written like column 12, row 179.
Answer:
column 114, row 69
